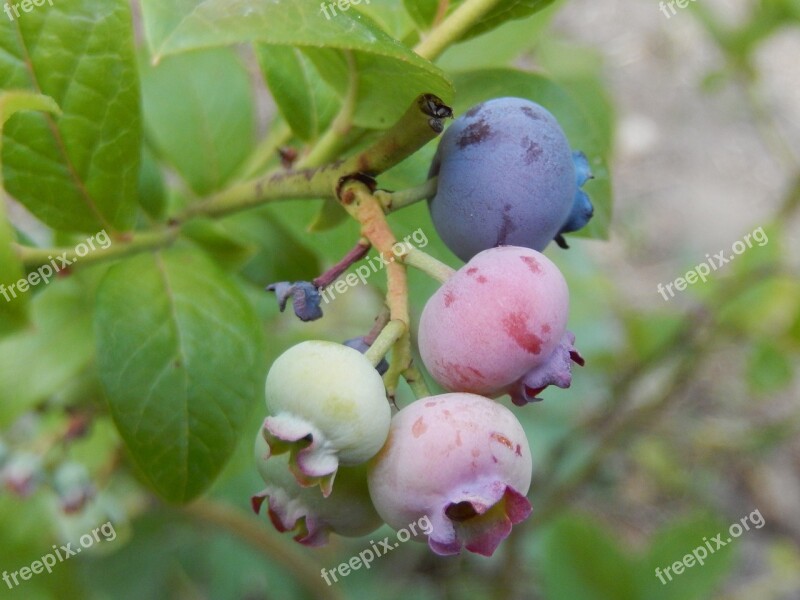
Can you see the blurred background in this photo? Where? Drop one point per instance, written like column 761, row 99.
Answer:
column 684, row 420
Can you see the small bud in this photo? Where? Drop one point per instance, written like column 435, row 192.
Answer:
column 305, row 297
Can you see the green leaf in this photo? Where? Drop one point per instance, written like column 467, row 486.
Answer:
column 329, row 216
column 477, row 86
column 13, row 312
column 500, row 47
column 199, row 115
column 180, row 359
column 41, row 359
column 581, row 560
column 422, row 11
column 765, row 309
column 281, row 255
column 77, row 171
column 390, row 75
column 152, row 190
column 303, row 97
column 228, row 250
column 769, row 368
column 650, row 333
column 507, row 10
column 672, row 544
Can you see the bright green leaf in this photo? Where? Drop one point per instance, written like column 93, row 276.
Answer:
column 199, row 115
column 477, row 86
column 179, row 355
column 390, row 75
column 77, row 171
column 303, row 97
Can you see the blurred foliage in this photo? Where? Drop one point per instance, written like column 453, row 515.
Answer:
column 628, row 463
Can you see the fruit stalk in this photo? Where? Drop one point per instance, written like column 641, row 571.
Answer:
column 414, row 257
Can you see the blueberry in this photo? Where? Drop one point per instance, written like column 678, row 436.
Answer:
column 507, row 176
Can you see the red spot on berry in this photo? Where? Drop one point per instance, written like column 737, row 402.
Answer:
column 516, row 327
column 419, row 427
column 518, row 451
column 532, row 264
column 449, row 298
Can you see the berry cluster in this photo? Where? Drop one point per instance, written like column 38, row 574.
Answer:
column 333, row 457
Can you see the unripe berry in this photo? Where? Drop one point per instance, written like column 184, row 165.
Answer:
column 348, row 511
column 497, row 319
column 327, row 406
column 461, row 460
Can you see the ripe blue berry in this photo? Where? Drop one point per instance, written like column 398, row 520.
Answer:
column 507, row 176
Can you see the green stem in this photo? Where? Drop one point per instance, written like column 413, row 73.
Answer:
column 139, row 242
column 416, row 382
column 453, row 28
column 304, row 568
column 414, row 257
column 385, row 340
column 392, row 201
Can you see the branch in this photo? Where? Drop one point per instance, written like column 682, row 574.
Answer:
column 422, row 122
column 33, row 257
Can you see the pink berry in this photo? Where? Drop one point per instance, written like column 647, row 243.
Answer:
column 460, row 460
column 497, row 319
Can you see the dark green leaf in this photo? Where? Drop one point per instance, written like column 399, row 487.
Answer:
column 77, row 171
column 228, row 250
column 671, row 545
column 152, row 191
column 581, row 560
column 179, row 355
